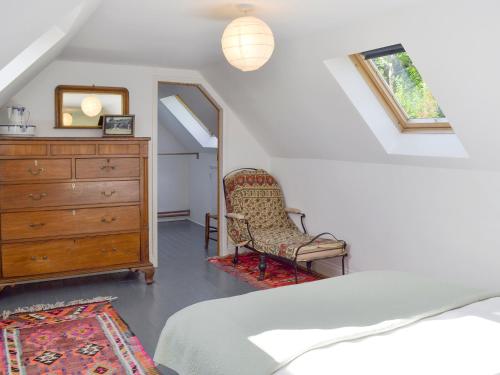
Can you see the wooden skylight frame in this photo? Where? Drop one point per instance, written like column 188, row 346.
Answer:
column 392, row 107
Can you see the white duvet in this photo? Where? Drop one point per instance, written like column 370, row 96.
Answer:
column 464, row 341
column 377, row 322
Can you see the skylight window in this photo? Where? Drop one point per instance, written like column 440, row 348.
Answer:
column 190, row 121
column 395, row 79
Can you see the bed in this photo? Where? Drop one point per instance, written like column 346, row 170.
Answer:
column 368, row 322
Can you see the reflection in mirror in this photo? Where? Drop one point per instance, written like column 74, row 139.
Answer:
column 82, row 106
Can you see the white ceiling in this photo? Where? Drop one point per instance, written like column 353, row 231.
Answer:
column 186, row 34
column 296, row 109
column 293, row 105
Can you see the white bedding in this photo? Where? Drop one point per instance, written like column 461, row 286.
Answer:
column 464, row 341
column 295, row 327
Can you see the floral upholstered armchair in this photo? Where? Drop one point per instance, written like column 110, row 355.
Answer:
column 258, row 219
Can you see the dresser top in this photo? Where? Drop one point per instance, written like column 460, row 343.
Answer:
column 92, row 139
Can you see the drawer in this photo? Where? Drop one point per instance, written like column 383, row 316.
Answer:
column 24, row 225
column 72, row 149
column 35, row 169
column 45, row 257
column 107, row 168
column 68, row 194
column 23, row 150
column 119, row 149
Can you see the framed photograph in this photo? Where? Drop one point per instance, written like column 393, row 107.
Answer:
column 118, row 125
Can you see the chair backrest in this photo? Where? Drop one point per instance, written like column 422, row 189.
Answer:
column 255, row 194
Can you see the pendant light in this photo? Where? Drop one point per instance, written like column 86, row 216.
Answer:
column 247, row 42
column 67, row 119
column 91, row 105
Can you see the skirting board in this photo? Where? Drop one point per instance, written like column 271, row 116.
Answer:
column 330, row 267
column 165, row 219
column 178, row 213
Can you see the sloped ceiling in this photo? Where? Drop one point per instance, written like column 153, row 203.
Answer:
column 296, row 108
column 293, row 105
column 198, row 104
column 33, row 36
column 186, row 33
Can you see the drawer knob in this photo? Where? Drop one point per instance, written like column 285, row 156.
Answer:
column 44, row 257
column 107, row 221
column 106, row 194
column 37, row 196
column 108, row 168
column 36, row 225
column 104, row 251
column 36, row 172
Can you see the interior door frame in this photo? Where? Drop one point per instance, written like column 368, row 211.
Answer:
column 210, row 98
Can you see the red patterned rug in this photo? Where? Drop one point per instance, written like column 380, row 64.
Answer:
column 84, row 338
column 277, row 273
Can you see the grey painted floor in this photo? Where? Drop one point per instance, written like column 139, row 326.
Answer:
column 182, row 278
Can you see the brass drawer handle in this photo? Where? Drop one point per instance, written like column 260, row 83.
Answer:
column 36, row 172
column 34, row 258
column 108, row 167
column 107, row 195
column 107, row 221
column 104, row 251
column 38, row 196
column 37, row 225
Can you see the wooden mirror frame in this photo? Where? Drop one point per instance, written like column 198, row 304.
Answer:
column 61, row 89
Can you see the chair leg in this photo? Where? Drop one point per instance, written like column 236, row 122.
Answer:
column 296, row 266
column 235, row 257
column 343, row 264
column 262, row 266
column 309, row 266
column 207, row 229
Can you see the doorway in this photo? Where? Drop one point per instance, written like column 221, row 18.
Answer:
column 188, row 164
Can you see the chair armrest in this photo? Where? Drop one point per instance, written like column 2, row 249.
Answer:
column 235, row 216
column 293, row 211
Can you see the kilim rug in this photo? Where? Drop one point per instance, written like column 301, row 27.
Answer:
column 277, row 273
column 79, row 338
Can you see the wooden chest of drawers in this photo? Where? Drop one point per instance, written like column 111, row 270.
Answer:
column 72, row 206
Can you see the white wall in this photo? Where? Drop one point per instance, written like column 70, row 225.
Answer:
column 441, row 222
column 173, row 180
column 173, row 172
column 202, row 179
column 240, row 148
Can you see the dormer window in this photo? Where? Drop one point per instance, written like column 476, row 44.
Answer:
column 401, row 89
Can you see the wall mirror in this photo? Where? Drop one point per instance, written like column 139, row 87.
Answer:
column 80, row 107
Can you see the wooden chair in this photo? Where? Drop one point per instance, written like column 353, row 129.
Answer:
column 209, row 228
column 258, row 219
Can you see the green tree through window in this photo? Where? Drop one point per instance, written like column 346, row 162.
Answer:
column 407, row 86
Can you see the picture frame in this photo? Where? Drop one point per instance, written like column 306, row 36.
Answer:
column 118, row 125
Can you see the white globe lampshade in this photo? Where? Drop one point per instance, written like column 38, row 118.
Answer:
column 91, row 106
column 247, row 43
column 67, row 119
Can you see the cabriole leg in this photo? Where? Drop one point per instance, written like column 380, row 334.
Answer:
column 235, row 257
column 309, row 266
column 149, row 274
column 262, row 266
